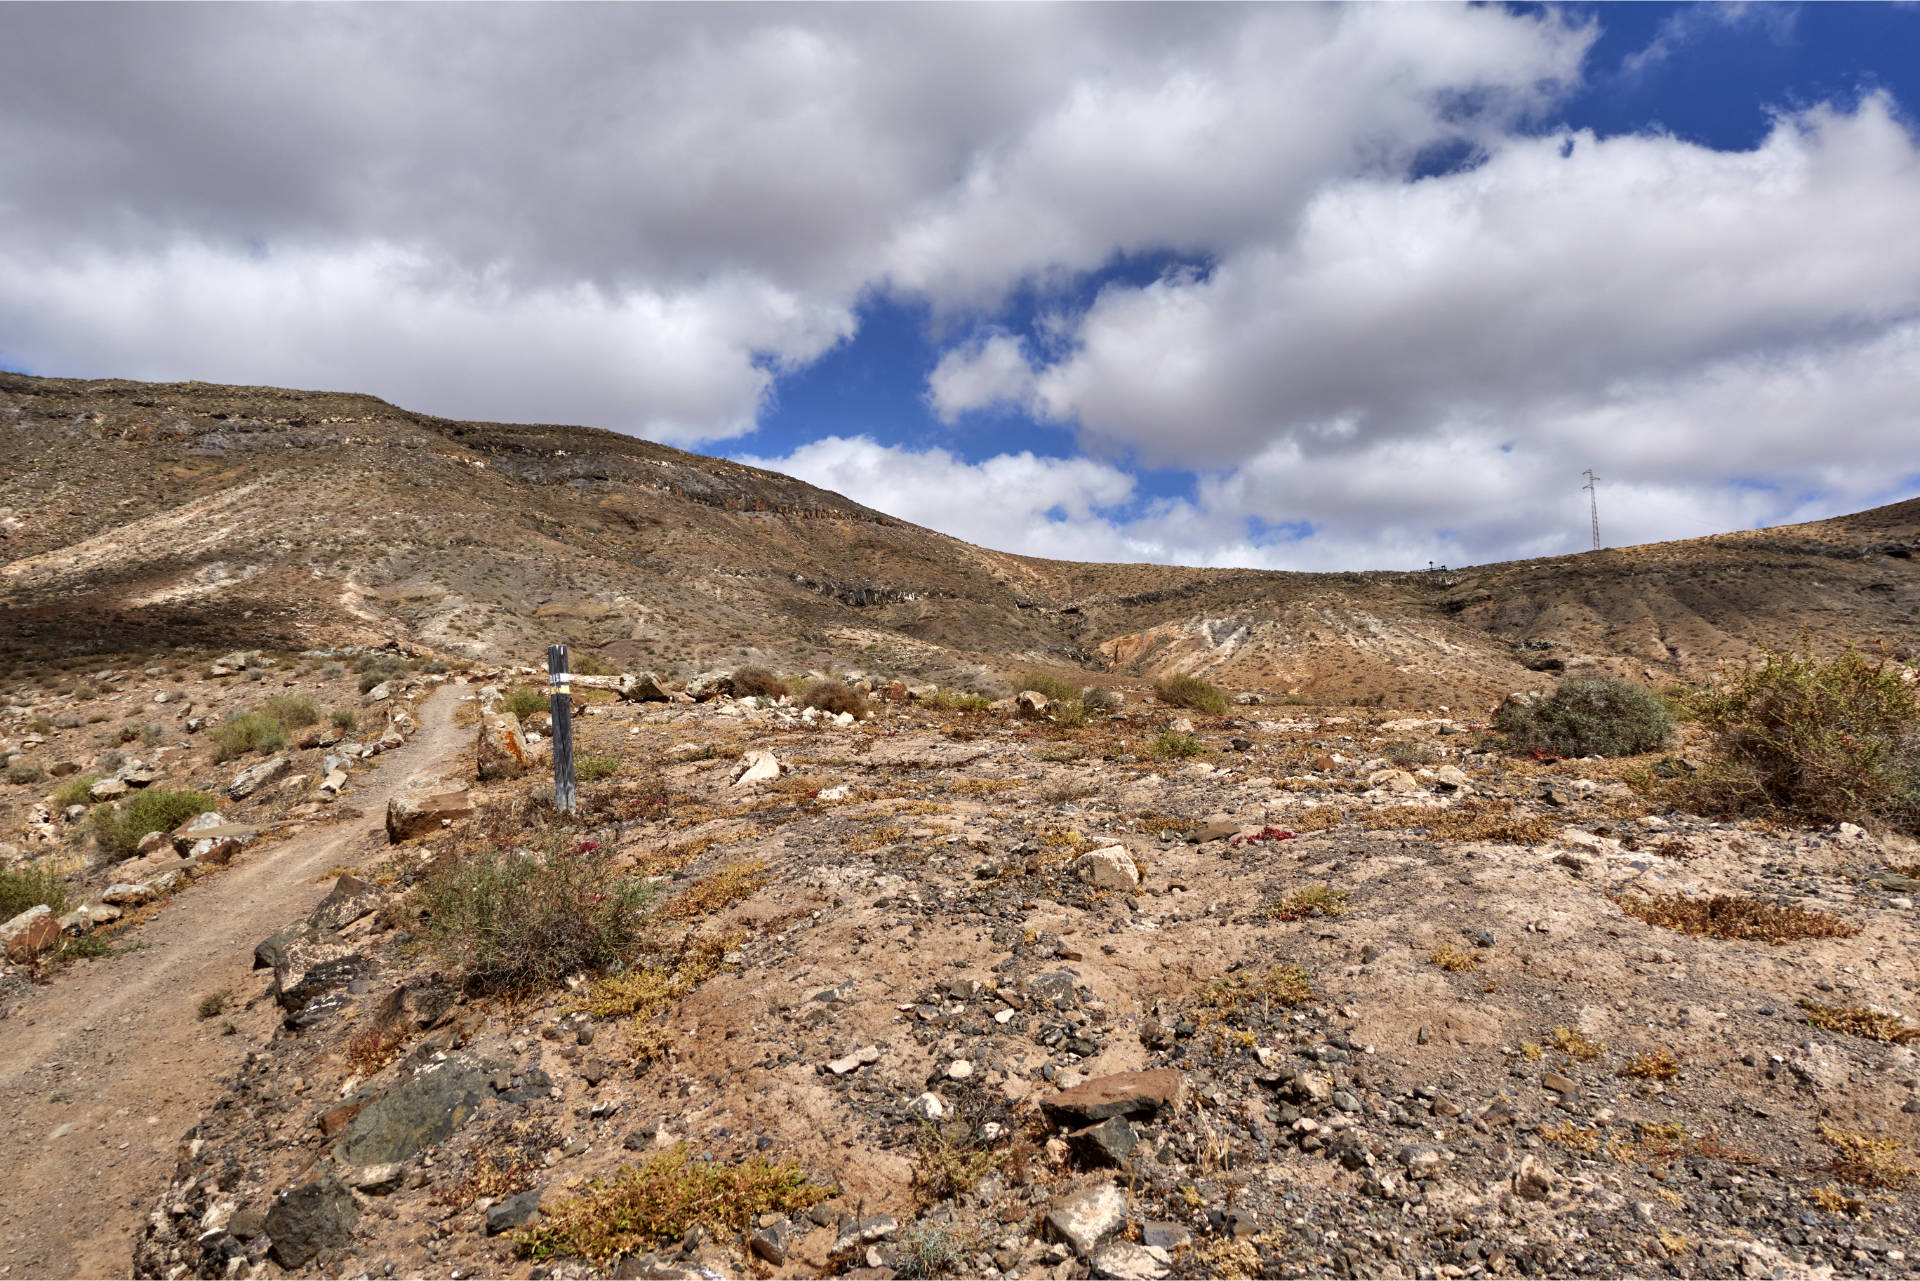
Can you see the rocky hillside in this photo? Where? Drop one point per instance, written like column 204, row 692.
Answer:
column 134, row 514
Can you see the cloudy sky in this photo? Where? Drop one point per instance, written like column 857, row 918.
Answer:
column 1286, row 286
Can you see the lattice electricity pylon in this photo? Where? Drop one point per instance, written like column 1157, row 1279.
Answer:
column 1593, row 505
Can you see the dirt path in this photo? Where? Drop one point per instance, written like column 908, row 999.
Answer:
column 106, row 1067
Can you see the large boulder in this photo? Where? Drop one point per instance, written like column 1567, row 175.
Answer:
column 423, row 805
column 313, row 1217
column 502, row 750
column 254, row 777
column 1140, row 1095
column 423, row 1112
column 30, row 933
column 644, row 688
column 1108, row 868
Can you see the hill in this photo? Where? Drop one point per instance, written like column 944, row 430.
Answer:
column 136, row 514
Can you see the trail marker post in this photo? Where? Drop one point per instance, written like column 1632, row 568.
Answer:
column 560, row 697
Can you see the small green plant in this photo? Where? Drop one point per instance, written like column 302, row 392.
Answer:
column 1588, row 716
column 1824, row 740
column 74, row 790
column 248, row 732
column 947, row 700
column 1052, row 688
column 292, row 710
column 127, row 733
column 1172, row 744
column 582, row 663
column 25, row 772
column 591, row 769
column 1190, row 691
column 658, row 1200
column 345, row 718
column 119, row 828
column 31, row 886
column 523, row 703
column 514, row 923
column 214, row 1004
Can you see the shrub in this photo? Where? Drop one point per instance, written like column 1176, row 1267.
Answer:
column 332, row 670
column 834, row 697
column 126, row 733
column 659, row 1200
column 379, row 676
column 74, row 790
column 591, row 769
column 292, row 710
column 525, row 702
column 1827, row 741
column 28, row 887
column 1052, row 687
column 1728, row 917
column 1099, row 698
column 1190, row 691
column 248, row 732
column 151, row 733
column 119, row 828
column 753, row 681
column 345, row 718
column 1588, row 716
column 949, row 701
column 1172, row 744
column 511, row 923
column 111, row 761
column 24, row 772
column 583, row 665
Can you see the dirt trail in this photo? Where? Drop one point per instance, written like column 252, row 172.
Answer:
column 106, row 1067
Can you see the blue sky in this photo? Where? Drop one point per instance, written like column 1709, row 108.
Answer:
column 1290, row 286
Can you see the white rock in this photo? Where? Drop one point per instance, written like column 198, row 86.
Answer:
column 959, row 1070
column 1108, row 868
column 839, row 793
column 858, row 1059
column 1125, row 1261
column 756, row 767
column 929, row 1107
column 1085, row 1219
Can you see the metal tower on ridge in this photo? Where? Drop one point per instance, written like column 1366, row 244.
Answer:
column 1593, row 504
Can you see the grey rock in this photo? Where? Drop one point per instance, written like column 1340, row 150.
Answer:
column 254, row 777
column 313, row 1217
column 513, row 1212
column 1085, row 1219
column 423, row 1112
column 1108, row 1142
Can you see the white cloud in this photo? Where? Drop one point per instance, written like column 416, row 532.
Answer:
column 1547, row 274
column 683, row 366
column 1695, row 23
column 990, row 372
column 688, row 194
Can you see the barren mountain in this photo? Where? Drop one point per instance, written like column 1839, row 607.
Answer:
column 138, row 513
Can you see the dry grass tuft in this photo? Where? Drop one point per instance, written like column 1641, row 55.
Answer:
column 1866, row 1161
column 645, row 1205
column 1726, row 917
column 1448, row 957
column 1834, row 1201
column 1498, row 822
column 874, row 837
column 1224, row 1006
column 1567, row 1134
column 1301, row 904
column 1655, row 1065
column 1575, row 1046
column 1856, row 1020
column 717, row 892
column 1319, row 818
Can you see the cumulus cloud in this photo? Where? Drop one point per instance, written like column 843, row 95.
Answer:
column 1556, row 268
column 990, row 372
column 692, row 196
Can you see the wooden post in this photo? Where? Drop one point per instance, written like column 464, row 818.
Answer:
column 561, row 699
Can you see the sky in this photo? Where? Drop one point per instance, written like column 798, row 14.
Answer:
column 1289, row 286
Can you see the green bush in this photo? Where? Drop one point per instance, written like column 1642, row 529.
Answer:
column 949, row 700
column 1172, row 744
column 1828, row 741
column 248, row 732
column 1588, row 716
column 525, row 702
column 591, row 769
column 31, row 886
column 24, row 772
column 1190, row 691
column 74, row 790
column 292, row 710
column 1052, row 688
column 510, row 923
column 584, row 664
column 1099, row 698
column 345, row 718
column 119, row 828
column 834, row 697
column 126, row 733
column 757, row 682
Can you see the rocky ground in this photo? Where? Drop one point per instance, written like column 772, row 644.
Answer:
column 1339, row 994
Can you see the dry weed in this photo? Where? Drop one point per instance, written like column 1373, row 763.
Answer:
column 1498, row 822
column 1866, row 1161
column 1727, row 917
column 1654, row 1065
column 1576, row 1046
column 1453, row 959
column 1301, row 904
column 1858, row 1021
